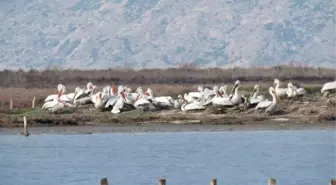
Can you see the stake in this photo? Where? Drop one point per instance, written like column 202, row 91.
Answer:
column 271, row 181
column 213, row 182
column 11, row 104
column 25, row 129
column 162, row 182
column 103, row 181
column 33, row 103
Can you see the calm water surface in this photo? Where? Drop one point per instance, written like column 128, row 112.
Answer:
column 305, row 157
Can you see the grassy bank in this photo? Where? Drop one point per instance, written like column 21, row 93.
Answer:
column 307, row 110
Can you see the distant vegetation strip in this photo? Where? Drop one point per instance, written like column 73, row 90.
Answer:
column 182, row 75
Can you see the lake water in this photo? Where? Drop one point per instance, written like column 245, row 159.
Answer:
column 293, row 157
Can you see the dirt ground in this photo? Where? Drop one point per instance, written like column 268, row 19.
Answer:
column 312, row 111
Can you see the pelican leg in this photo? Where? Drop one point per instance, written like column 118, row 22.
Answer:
column 325, row 94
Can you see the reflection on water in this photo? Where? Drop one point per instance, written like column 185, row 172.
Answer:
column 292, row 157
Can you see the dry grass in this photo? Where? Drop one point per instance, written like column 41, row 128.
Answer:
column 182, row 75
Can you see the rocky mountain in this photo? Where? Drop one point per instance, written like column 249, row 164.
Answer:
column 165, row 33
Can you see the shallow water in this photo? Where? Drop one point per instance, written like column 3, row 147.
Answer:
column 294, row 157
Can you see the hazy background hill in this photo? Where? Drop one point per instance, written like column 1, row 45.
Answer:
column 165, row 33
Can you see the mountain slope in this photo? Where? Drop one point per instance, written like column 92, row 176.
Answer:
column 165, row 33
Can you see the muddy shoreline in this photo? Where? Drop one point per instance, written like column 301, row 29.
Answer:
column 291, row 115
column 146, row 128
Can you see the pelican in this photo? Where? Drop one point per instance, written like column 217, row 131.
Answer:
column 278, row 90
column 293, row 91
column 192, row 106
column 178, row 102
column 327, row 87
column 269, row 106
column 57, row 104
column 142, row 102
column 236, row 99
column 223, row 91
column 133, row 95
column 197, row 94
column 218, row 100
column 160, row 100
column 255, row 98
column 81, row 93
column 100, row 101
column 53, row 96
column 121, row 102
column 188, row 98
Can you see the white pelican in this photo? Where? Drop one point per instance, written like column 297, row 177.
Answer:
column 218, row 100
column 293, row 91
column 115, row 96
column 178, row 102
column 278, row 90
column 197, row 94
column 269, row 106
column 64, row 97
column 121, row 102
column 81, row 93
column 236, row 99
column 255, row 98
column 160, row 100
column 53, row 96
column 192, row 106
column 142, row 102
column 133, row 95
column 100, row 101
column 188, row 98
column 223, row 91
column 57, row 104
column 327, row 87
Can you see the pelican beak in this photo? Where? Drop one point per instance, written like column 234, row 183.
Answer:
column 123, row 95
column 137, row 98
column 60, row 93
column 220, row 94
column 114, row 88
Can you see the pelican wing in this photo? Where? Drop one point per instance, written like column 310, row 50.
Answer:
column 119, row 105
column 49, row 104
column 301, row 91
column 141, row 102
column 263, row 104
column 328, row 86
column 221, row 101
column 195, row 94
column 192, row 106
column 71, row 96
column 66, row 98
column 83, row 101
column 111, row 102
column 163, row 100
column 80, row 94
column 51, row 97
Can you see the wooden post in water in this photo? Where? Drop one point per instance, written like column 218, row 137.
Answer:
column 103, row 181
column 25, row 129
column 271, row 181
column 332, row 182
column 213, row 182
column 11, row 104
column 33, row 103
column 162, row 182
